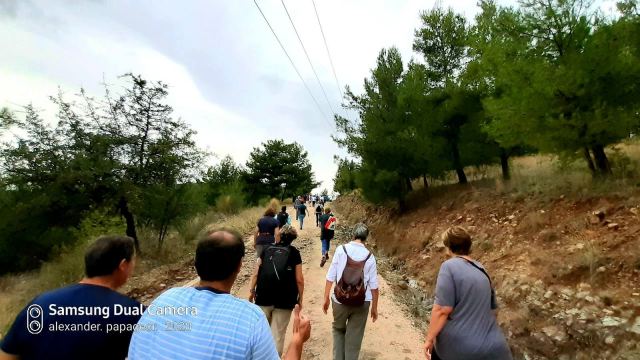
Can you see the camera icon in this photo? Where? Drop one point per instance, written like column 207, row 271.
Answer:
column 35, row 319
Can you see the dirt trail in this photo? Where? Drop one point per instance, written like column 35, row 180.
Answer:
column 392, row 336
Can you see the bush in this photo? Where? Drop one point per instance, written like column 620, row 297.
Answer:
column 230, row 203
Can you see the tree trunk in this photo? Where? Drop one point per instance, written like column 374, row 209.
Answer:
column 587, row 157
column 601, row 161
column 408, row 184
column 123, row 205
column 504, row 163
column 462, row 178
column 424, row 180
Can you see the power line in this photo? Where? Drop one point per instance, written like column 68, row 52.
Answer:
column 327, row 47
column 308, row 58
column 324, row 116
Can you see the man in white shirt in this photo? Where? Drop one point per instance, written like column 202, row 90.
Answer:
column 349, row 321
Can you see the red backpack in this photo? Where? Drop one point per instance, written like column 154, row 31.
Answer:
column 351, row 290
column 331, row 223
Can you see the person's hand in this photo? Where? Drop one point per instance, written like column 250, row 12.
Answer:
column 301, row 326
column 325, row 306
column 252, row 296
column 428, row 348
column 374, row 314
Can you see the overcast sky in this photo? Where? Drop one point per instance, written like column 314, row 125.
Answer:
column 228, row 77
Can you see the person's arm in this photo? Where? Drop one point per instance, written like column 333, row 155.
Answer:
column 327, row 294
column 276, row 234
column 5, row 356
column 439, row 316
column 301, row 333
column 255, row 236
column 254, row 281
column 300, row 283
column 375, row 294
column 332, row 276
column 443, row 306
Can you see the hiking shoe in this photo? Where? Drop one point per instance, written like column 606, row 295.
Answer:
column 323, row 261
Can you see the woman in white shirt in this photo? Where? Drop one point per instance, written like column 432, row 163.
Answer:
column 349, row 321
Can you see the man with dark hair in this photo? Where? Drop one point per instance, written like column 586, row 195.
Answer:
column 211, row 322
column 88, row 320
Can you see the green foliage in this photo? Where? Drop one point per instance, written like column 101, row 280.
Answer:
column 125, row 153
column 222, row 176
column 278, row 170
column 566, row 80
column 232, row 199
column 345, row 179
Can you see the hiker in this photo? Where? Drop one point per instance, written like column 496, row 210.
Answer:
column 463, row 322
column 267, row 231
column 313, row 200
column 327, row 231
column 283, row 217
column 218, row 324
column 302, row 212
column 319, row 209
column 277, row 284
column 47, row 328
column 353, row 269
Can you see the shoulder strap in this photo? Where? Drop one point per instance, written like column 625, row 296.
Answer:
column 479, row 268
column 344, row 247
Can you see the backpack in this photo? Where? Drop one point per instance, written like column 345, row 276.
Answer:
column 331, row 224
column 283, row 218
column 319, row 209
column 274, row 267
column 351, row 289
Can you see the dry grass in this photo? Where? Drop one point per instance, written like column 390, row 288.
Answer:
column 18, row 290
column 548, row 176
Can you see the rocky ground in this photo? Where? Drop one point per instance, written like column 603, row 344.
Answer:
column 567, row 271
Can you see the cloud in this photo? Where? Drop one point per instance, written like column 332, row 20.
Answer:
column 228, row 77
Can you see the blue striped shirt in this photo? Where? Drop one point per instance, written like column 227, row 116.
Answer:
column 224, row 327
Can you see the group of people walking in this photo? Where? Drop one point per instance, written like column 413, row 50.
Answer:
column 463, row 323
column 207, row 322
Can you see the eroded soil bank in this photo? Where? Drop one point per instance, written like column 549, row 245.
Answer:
column 566, row 271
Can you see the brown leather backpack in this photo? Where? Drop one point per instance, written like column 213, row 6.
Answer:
column 351, row 289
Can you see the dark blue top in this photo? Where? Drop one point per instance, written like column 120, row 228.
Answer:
column 267, row 229
column 80, row 321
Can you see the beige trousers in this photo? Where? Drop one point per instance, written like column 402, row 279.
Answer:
column 279, row 320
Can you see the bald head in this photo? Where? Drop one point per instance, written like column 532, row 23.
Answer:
column 218, row 255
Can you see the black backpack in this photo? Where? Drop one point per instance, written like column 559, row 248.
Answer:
column 318, row 209
column 273, row 270
column 282, row 218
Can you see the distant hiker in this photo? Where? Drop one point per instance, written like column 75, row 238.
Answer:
column 327, row 231
column 267, row 231
column 302, row 212
column 212, row 323
column 313, row 200
column 353, row 269
column 297, row 203
column 319, row 210
column 37, row 333
column 463, row 323
column 277, row 284
column 282, row 217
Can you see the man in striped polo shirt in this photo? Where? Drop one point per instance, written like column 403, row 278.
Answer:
column 206, row 322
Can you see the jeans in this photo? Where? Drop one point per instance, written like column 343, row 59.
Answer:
column 348, row 329
column 279, row 320
column 325, row 246
column 301, row 220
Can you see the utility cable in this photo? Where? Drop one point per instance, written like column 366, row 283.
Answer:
column 324, row 116
column 307, row 55
column 327, row 48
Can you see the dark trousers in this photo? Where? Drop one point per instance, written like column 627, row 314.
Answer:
column 318, row 219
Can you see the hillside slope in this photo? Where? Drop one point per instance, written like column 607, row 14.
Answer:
column 567, row 270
